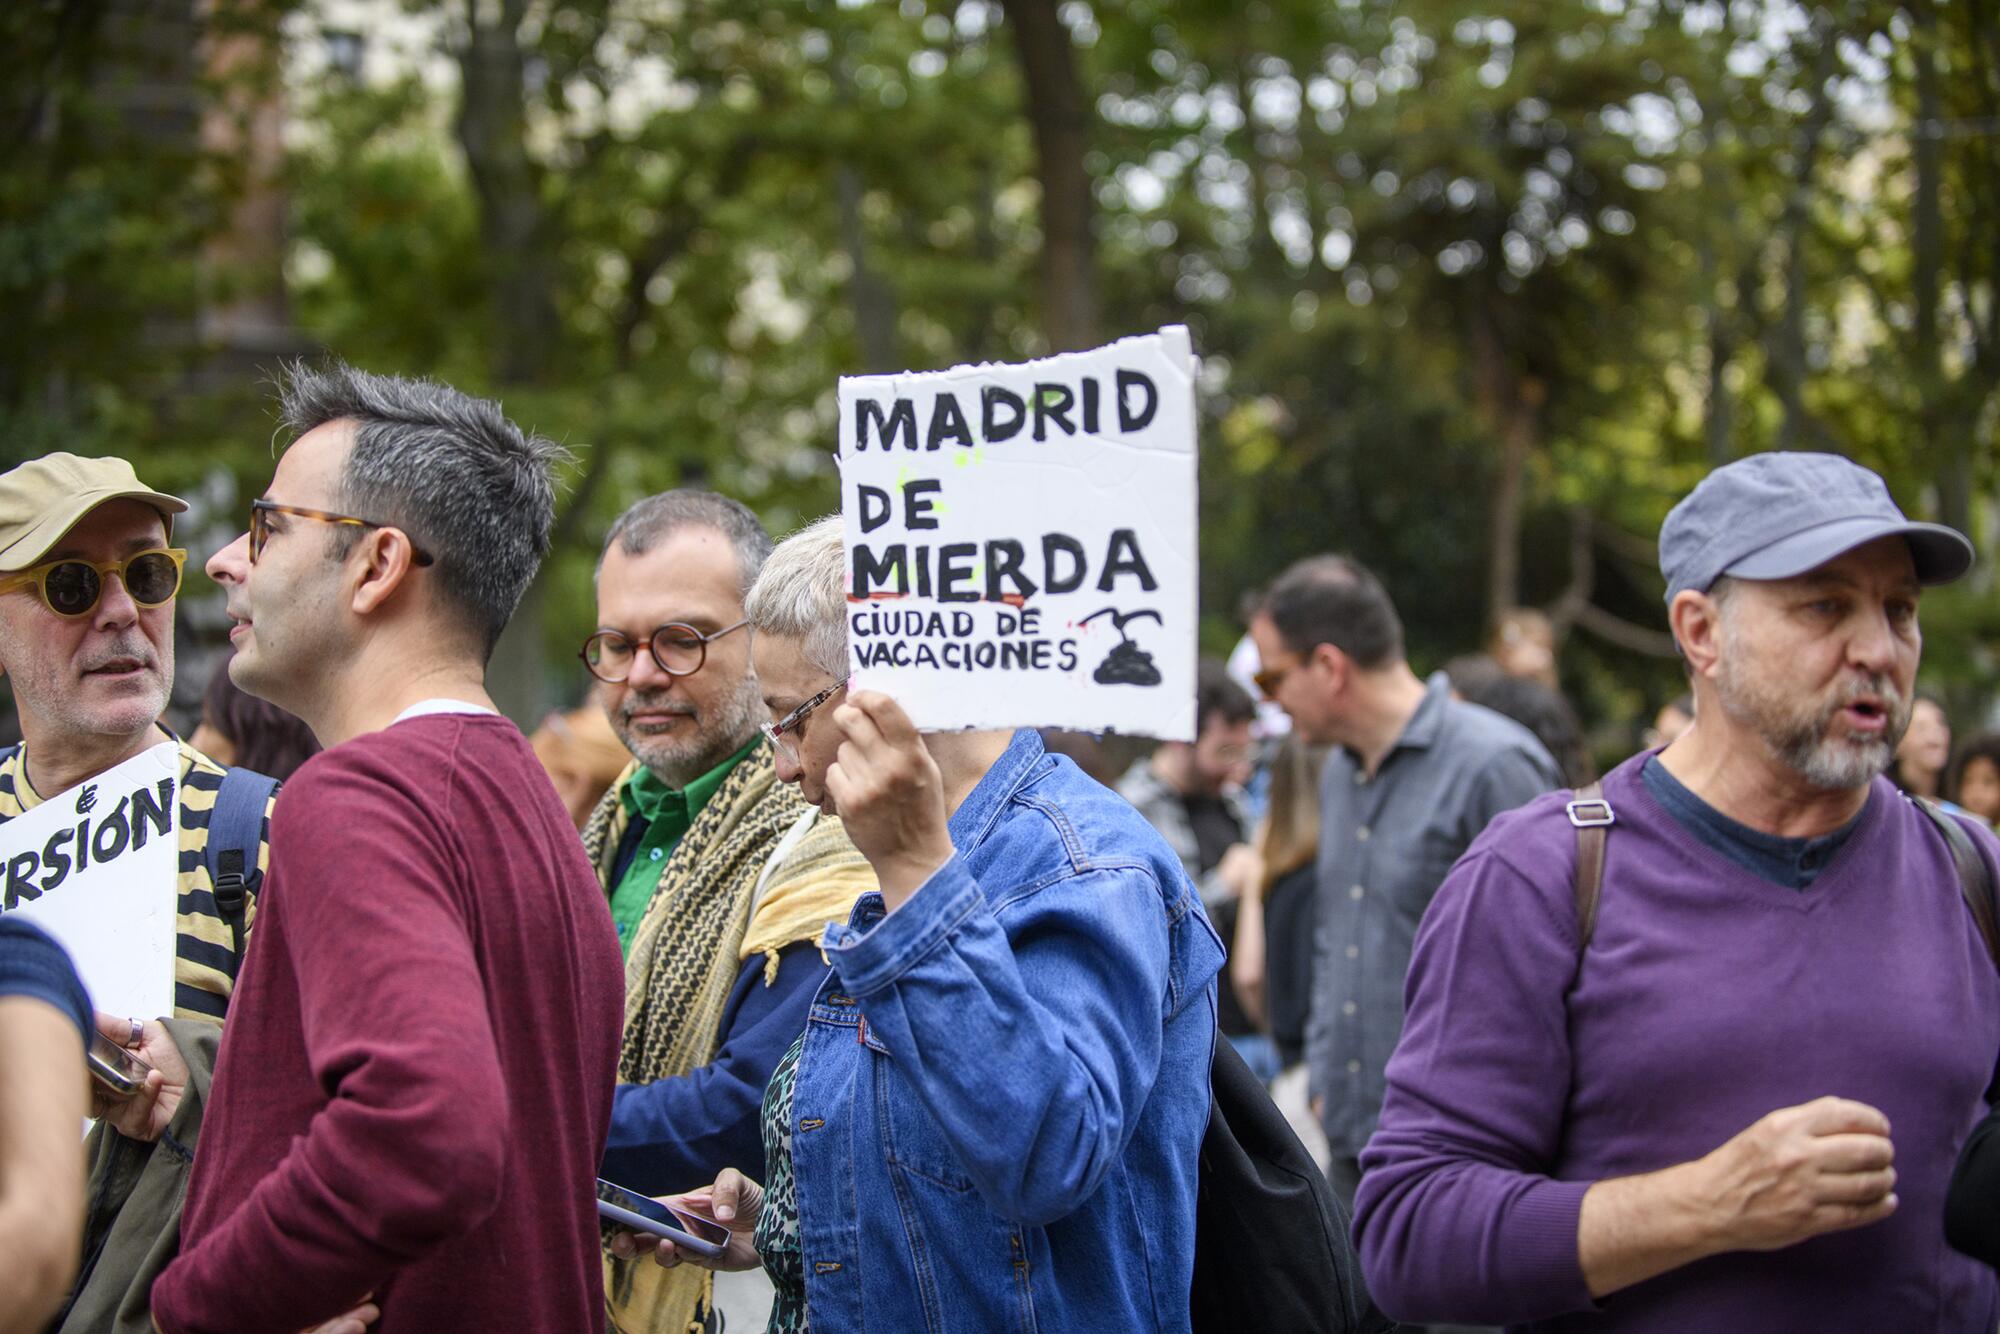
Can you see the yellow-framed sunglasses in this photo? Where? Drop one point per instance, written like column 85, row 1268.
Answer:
column 71, row 588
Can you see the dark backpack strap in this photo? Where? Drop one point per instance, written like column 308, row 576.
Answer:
column 235, row 833
column 1975, row 879
column 1592, row 816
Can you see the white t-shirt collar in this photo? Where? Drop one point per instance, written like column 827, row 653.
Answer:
column 425, row 707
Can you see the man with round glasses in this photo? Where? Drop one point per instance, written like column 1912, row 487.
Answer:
column 720, row 878
column 88, row 578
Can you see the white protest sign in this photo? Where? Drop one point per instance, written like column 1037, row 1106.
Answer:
column 98, row 868
column 1021, row 540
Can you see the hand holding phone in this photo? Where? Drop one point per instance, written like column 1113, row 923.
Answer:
column 631, row 1209
column 686, row 1227
column 138, row 1076
column 117, row 1069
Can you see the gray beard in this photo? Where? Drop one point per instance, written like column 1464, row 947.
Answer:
column 719, row 733
column 1802, row 742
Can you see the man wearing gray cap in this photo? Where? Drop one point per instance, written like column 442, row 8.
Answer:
column 1696, row 1053
column 87, row 588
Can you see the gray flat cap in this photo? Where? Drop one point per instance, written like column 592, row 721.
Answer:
column 1780, row 514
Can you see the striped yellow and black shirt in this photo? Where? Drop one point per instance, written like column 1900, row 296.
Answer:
column 202, row 941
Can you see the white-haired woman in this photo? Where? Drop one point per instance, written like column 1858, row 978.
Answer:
column 994, row 1115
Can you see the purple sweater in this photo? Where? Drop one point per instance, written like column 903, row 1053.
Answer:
column 1708, row 998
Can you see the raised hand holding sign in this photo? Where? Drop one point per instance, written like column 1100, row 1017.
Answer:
column 890, row 794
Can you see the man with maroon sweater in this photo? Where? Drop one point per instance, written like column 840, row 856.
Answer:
column 426, row 1036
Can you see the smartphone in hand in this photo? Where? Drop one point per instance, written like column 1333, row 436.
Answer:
column 118, row 1069
column 628, row 1208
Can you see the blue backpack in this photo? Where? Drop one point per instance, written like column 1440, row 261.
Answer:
column 235, row 832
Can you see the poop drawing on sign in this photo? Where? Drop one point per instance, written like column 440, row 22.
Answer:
column 1127, row 664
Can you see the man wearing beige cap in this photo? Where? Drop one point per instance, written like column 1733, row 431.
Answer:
column 87, row 585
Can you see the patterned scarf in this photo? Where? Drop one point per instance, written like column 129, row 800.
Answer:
column 683, row 964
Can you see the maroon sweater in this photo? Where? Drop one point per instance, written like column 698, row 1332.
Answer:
column 415, row 1081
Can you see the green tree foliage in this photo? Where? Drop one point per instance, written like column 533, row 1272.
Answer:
column 1481, row 288
column 102, row 205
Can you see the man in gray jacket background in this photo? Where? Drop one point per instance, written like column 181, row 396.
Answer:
column 1414, row 777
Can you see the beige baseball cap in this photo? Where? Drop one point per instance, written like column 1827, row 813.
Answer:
column 46, row 497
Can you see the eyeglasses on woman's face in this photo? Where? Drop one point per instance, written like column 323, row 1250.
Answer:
column 784, row 734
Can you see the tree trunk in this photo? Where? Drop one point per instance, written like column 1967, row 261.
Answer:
column 1719, row 424
column 1788, row 345
column 874, row 303
column 1503, row 564
column 1060, row 116
column 1508, row 405
column 514, row 232
column 492, row 130
column 1946, row 445
column 1721, row 324
column 976, row 342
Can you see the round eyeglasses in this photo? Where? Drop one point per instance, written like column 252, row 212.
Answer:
column 72, row 588
column 783, row 734
column 677, row 649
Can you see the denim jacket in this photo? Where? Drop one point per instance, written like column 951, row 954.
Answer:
column 1004, row 1085
column 1165, row 810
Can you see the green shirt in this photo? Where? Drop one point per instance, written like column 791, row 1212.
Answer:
column 667, row 815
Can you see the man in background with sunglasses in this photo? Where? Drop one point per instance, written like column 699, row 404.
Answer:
column 1414, row 776
column 719, row 877
column 87, row 587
